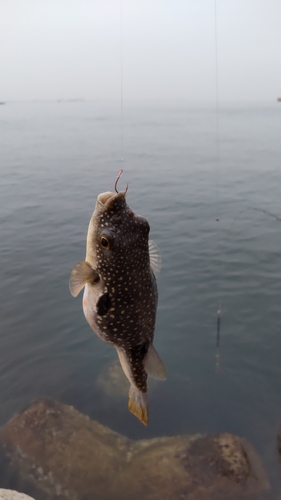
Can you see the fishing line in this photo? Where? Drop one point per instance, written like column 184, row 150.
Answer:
column 222, row 271
column 219, row 251
column 265, row 212
column 121, row 83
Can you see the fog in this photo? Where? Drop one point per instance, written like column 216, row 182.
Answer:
column 160, row 49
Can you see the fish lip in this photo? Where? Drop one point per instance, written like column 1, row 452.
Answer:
column 104, row 200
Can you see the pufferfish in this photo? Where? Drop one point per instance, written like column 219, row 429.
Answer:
column 120, row 291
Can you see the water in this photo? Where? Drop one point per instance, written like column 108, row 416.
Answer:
column 55, row 159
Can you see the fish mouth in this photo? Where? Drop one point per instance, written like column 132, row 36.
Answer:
column 106, row 199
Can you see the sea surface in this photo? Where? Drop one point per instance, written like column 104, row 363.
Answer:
column 210, row 187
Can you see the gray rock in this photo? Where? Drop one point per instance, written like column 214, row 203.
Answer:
column 113, row 382
column 61, row 454
column 13, row 495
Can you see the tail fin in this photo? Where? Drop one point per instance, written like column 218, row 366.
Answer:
column 138, row 404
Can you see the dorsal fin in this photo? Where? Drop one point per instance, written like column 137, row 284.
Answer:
column 153, row 364
column 155, row 257
column 80, row 275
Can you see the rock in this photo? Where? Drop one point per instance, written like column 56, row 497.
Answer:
column 13, row 495
column 113, row 382
column 58, row 453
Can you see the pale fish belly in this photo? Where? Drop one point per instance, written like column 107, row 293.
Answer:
column 89, row 308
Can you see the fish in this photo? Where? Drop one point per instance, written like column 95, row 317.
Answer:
column 120, row 291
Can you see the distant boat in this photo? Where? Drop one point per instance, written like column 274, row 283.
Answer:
column 279, row 99
column 2, row 102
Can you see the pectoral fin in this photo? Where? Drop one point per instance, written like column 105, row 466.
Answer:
column 80, row 275
column 153, row 364
column 155, row 257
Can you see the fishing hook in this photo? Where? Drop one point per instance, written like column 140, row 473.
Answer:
column 116, row 182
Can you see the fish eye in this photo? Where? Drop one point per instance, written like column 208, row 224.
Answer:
column 104, row 242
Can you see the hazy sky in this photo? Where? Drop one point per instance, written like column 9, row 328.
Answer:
column 52, row 49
